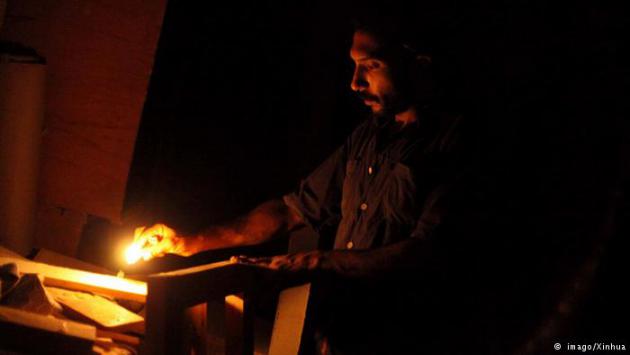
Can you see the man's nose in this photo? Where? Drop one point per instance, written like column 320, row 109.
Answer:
column 358, row 80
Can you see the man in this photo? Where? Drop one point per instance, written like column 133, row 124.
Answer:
column 389, row 191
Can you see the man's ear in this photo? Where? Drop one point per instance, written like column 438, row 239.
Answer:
column 423, row 60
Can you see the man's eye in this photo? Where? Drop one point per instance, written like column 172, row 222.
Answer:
column 373, row 65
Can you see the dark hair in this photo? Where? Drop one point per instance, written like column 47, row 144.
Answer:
column 430, row 29
column 397, row 31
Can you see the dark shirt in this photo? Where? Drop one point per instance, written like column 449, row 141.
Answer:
column 385, row 183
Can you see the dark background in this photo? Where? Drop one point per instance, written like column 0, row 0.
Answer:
column 244, row 100
column 247, row 98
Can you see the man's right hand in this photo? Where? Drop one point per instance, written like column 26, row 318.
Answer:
column 152, row 242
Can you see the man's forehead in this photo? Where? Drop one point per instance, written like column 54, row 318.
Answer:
column 364, row 45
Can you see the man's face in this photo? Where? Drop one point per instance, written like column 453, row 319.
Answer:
column 373, row 78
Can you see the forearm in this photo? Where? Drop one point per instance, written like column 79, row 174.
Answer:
column 407, row 255
column 264, row 222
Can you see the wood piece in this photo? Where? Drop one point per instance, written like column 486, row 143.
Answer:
column 105, row 346
column 105, row 313
column 164, row 322
column 53, row 258
column 196, row 318
column 286, row 337
column 47, row 323
column 239, row 337
column 25, row 332
column 170, row 293
column 215, row 326
column 56, row 276
column 197, row 284
column 30, row 295
column 118, row 337
column 10, row 253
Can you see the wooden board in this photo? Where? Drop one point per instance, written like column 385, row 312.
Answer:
column 287, row 335
column 53, row 258
column 10, row 253
column 29, row 333
column 29, row 295
column 56, row 276
column 50, row 324
column 118, row 337
column 170, row 293
column 105, row 313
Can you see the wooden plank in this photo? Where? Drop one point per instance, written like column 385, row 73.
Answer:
column 170, row 293
column 239, row 320
column 49, row 324
column 196, row 317
column 286, row 337
column 53, row 258
column 10, row 253
column 56, row 276
column 197, row 284
column 164, row 322
column 105, row 313
column 29, row 295
column 215, row 326
column 118, row 337
column 29, row 333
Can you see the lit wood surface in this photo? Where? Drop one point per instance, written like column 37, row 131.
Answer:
column 103, row 312
column 53, row 258
column 4, row 252
column 287, row 334
column 56, row 276
column 171, row 293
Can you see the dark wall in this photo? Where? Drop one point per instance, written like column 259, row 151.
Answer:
column 99, row 58
column 243, row 101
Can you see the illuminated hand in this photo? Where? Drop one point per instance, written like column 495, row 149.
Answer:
column 299, row 262
column 152, row 242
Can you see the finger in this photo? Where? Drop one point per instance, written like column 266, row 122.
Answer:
column 254, row 260
column 241, row 258
column 162, row 247
column 137, row 233
column 283, row 262
column 238, row 259
column 154, row 235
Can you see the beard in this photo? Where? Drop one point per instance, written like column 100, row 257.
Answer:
column 383, row 106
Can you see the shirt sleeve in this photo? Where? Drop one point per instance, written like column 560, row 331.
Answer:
column 437, row 210
column 318, row 198
column 449, row 197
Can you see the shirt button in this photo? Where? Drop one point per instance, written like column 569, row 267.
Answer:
column 350, row 245
column 363, row 206
column 370, row 170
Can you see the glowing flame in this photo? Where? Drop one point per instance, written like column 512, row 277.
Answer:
column 134, row 253
column 150, row 243
column 138, row 249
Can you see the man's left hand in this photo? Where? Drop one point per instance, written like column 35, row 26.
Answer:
column 299, row 262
